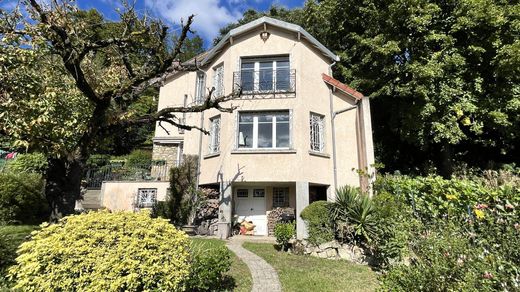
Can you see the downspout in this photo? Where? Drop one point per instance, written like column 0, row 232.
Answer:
column 200, row 151
column 199, row 158
column 333, row 130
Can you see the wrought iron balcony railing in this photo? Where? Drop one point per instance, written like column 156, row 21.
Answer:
column 266, row 82
column 155, row 171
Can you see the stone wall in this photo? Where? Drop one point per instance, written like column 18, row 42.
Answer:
column 279, row 214
column 166, row 152
column 333, row 250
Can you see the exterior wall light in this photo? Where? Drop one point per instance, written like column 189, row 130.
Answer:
column 264, row 35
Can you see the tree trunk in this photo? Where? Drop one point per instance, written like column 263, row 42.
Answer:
column 63, row 186
column 446, row 157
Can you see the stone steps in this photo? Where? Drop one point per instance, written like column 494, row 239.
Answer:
column 91, row 200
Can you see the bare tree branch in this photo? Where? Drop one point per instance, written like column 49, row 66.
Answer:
column 155, row 77
column 167, row 114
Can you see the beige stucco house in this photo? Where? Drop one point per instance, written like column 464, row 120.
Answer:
column 296, row 133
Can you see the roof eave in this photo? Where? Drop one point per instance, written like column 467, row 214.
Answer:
column 264, row 19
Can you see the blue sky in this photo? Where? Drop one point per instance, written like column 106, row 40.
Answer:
column 210, row 14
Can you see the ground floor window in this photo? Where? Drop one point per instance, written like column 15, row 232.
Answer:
column 146, row 198
column 280, row 197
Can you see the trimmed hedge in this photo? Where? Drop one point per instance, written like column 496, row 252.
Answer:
column 101, row 251
column 318, row 222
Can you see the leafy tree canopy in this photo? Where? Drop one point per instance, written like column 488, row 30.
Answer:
column 443, row 76
column 70, row 79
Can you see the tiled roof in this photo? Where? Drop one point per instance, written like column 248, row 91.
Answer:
column 341, row 86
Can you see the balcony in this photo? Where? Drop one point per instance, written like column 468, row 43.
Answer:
column 265, row 83
column 154, row 171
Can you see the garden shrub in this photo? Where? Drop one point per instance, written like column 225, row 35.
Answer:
column 182, row 197
column 102, row 251
column 395, row 224
column 318, row 222
column 443, row 261
column 6, row 254
column 434, row 197
column 353, row 214
column 457, row 234
column 208, row 268
column 22, row 199
column 139, row 158
column 30, row 162
column 283, row 233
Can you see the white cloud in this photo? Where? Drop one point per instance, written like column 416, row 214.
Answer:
column 210, row 15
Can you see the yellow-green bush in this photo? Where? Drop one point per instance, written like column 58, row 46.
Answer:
column 101, row 251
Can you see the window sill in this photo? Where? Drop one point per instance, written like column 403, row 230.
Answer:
column 264, row 151
column 211, row 155
column 319, row 154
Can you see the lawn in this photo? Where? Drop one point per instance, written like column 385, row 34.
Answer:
column 239, row 271
column 306, row 273
column 10, row 237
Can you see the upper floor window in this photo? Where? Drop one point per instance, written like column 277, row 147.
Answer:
column 265, row 75
column 218, row 82
column 214, row 137
column 199, row 88
column 264, row 130
column 317, row 132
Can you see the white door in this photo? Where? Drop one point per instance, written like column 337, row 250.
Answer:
column 250, row 206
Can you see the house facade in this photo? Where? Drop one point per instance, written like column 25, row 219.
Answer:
column 296, row 133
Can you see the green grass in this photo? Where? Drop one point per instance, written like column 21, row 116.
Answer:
column 239, row 271
column 306, row 273
column 11, row 236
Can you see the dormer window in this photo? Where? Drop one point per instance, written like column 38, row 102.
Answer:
column 265, row 75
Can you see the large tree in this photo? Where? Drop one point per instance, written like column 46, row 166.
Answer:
column 443, row 75
column 67, row 82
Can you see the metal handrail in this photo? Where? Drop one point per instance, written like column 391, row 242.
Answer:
column 96, row 175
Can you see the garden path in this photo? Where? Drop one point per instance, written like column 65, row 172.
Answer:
column 264, row 276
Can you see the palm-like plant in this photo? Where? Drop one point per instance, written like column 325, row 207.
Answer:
column 354, row 215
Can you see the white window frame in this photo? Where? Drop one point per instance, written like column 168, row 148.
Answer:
column 255, row 130
column 146, row 197
column 218, row 80
column 214, row 137
column 258, row 193
column 256, row 71
column 317, row 132
column 200, row 90
column 284, row 191
column 242, row 193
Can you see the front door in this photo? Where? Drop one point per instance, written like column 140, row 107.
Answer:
column 250, row 206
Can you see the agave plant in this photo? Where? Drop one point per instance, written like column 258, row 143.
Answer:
column 354, row 215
